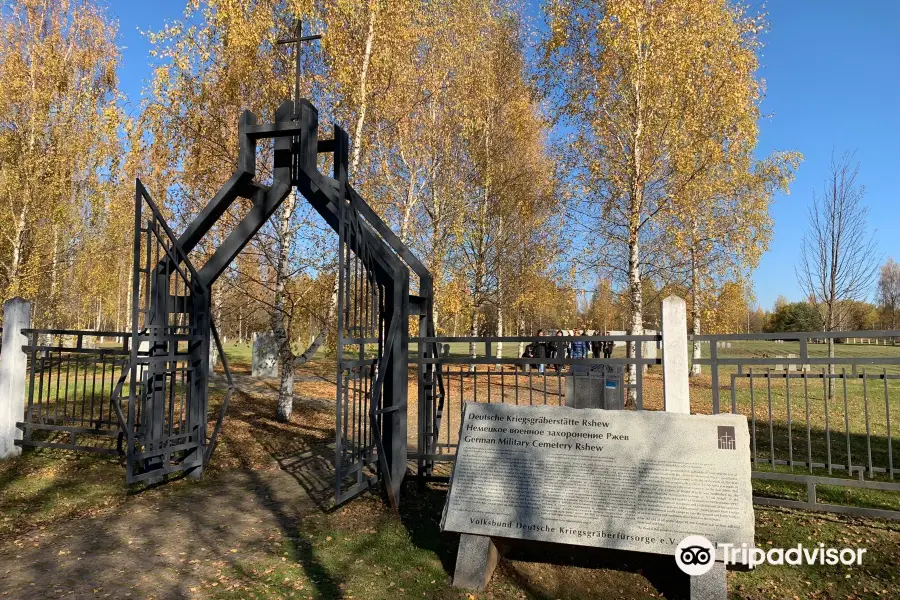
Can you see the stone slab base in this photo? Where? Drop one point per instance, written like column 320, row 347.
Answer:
column 475, row 562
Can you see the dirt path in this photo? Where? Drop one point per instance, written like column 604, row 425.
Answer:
column 169, row 541
column 157, row 545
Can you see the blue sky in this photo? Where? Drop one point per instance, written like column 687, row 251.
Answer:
column 832, row 72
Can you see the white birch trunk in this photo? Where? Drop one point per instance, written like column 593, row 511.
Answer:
column 285, row 355
column 363, row 76
column 637, row 315
column 696, row 368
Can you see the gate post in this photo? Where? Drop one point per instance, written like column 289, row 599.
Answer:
column 675, row 356
column 13, row 367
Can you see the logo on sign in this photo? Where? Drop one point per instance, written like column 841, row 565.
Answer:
column 695, row 555
column 726, row 437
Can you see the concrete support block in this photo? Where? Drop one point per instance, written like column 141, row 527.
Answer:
column 475, row 562
column 711, row 585
column 675, row 355
column 13, row 374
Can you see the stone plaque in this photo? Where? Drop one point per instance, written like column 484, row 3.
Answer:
column 626, row 480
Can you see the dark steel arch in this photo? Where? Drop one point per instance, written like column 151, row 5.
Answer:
column 172, row 326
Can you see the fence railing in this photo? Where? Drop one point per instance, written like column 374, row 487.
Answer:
column 71, row 382
column 471, row 371
column 814, row 419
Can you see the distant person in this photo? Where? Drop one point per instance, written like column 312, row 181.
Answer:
column 608, row 346
column 596, row 348
column 554, row 349
column 540, row 351
column 579, row 347
column 528, row 353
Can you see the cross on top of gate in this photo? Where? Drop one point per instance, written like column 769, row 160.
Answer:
column 298, row 39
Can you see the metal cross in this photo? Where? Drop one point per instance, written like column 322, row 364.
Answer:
column 298, row 39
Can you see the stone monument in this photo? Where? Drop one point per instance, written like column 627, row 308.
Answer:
column 624, row 480
column 265, row 355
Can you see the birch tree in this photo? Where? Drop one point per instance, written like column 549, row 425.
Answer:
column 726, row 226
column 646, row 88
column 889, row 292
column 59, row 146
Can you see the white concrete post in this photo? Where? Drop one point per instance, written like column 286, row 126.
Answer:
column 675, row 356
column 13, row 367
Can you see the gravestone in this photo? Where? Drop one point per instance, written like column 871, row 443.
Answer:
column 728, row 345
column 265, row 355
column 791, row 366
column 624, row 480
column 213, row 354
column 779, row 366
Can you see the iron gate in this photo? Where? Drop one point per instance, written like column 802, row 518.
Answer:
column 166, row 421
column 371, row 328
column 360, row 368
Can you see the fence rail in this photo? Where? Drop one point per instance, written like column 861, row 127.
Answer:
column 801, row 432
column 71, row 382
column 480, row 376
column 814, row 420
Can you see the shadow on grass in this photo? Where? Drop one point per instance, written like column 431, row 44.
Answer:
column 420, row 514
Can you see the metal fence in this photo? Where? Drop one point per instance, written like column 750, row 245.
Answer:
column 814, row 420
column 469, row 370
column 71, row 385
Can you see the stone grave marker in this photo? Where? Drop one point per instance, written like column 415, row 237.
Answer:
column 637, row 481
column 265, row 355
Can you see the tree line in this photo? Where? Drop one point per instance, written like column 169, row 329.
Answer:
column 613, row 141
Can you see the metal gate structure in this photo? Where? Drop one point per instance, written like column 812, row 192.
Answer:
column 172, row 329
column 166, row 420
column 153, row 401
column 374, row 306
